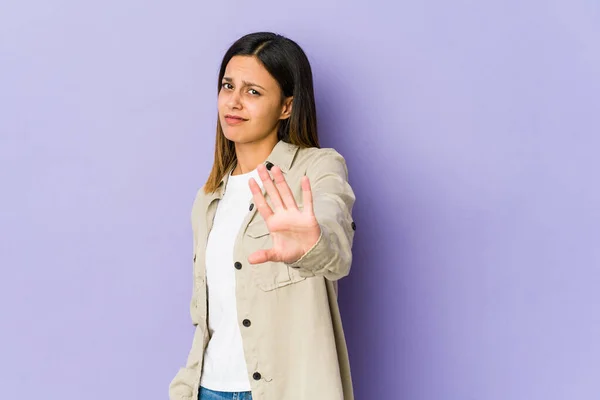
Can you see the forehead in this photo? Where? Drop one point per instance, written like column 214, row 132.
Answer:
column 249, row 69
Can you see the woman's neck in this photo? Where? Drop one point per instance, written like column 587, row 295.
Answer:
column 249, row 155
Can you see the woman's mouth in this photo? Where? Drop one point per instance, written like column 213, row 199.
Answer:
column 234, row 119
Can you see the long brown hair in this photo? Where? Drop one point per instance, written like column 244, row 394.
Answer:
column 285, row 60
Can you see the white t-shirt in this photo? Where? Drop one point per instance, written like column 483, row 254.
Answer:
column 224, row 363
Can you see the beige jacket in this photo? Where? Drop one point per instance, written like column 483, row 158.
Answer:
column 288, row 314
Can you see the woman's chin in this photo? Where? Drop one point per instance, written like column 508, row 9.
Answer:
column 238, row 136
column 233, row 136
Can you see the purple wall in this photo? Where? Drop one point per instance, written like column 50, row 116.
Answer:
column 471, row 130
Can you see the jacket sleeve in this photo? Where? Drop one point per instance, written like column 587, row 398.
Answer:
column 181, row 386
column 195, row 219
column 333, row 199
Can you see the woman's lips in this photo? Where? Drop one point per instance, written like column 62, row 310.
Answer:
column 232, row 120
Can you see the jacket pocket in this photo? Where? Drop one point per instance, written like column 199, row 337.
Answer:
column 257, row 229
column 270, row 275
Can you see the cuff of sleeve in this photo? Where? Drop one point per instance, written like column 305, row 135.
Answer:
column 309, row 260
column 181, row 387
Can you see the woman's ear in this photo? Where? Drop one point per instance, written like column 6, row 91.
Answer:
column 286, row 108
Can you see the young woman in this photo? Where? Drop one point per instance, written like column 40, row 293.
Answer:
column 273, row 233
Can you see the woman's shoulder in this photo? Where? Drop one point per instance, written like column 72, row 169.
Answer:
column 198, row 200
column 321, row 160
column 318, row 152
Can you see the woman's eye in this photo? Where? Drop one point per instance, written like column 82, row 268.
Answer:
column 226, row 85
column 253, row 92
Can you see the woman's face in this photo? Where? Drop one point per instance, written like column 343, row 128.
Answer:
column 250, row 103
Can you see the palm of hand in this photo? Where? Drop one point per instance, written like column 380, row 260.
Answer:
column 293, row 231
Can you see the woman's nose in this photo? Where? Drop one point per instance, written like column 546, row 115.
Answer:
column 234, row 100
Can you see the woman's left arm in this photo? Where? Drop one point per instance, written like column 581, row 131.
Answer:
column 333, row 199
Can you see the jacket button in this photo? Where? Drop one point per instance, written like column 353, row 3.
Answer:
column 194, row 258
column 269, row 165
column 256, row 376
column 237, row 265
column 251, row 206
column 353, row 226
column 246, row 323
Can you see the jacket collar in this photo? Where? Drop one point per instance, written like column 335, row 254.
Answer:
column 282, row 155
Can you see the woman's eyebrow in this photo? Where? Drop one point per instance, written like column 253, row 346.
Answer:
column 228, row 79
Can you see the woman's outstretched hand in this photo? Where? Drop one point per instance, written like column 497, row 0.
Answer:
column 293, row 232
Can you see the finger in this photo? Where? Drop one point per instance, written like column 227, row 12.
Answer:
column 259, row 200
column 307, row 198
column 284, row 189
column 261, row 256
column 269, row 186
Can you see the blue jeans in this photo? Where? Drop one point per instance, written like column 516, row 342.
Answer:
column 207, row 394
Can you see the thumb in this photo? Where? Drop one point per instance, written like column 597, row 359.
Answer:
column 261, row 256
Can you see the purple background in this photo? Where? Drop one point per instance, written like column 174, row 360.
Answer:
column 471, row 131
